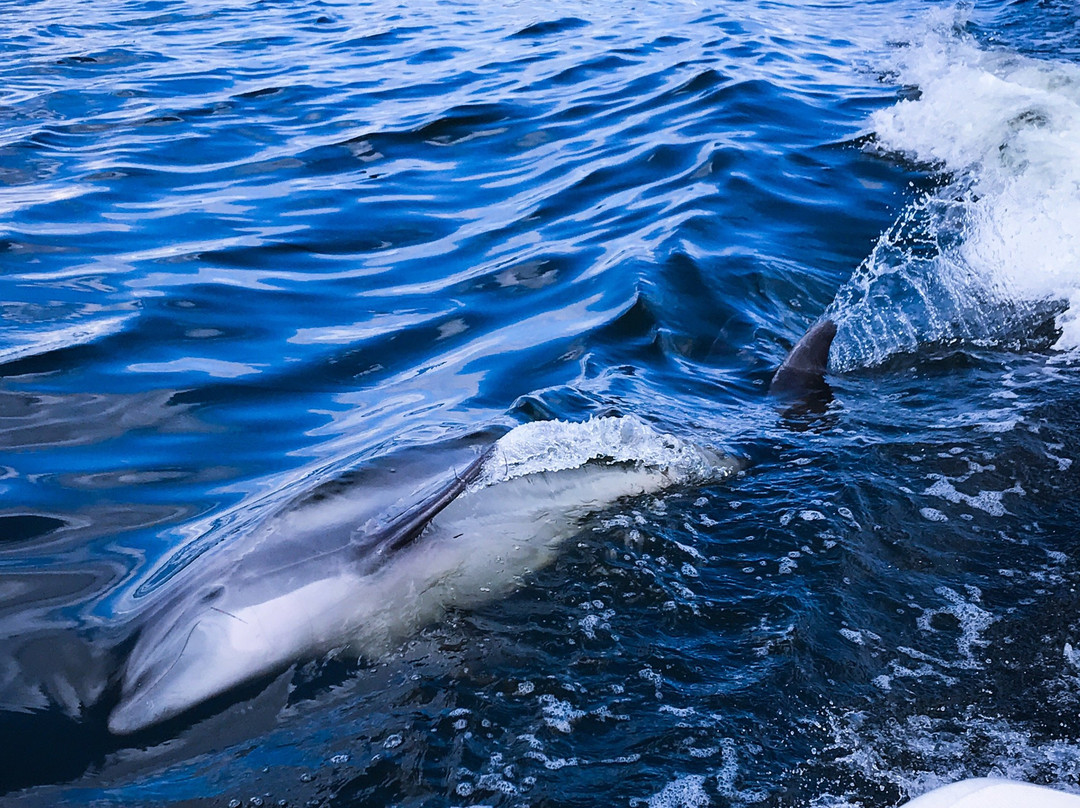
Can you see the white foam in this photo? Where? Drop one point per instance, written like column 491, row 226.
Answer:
column 987, row 501
column 997, row 250
column 685, row 792
column 921, row 752
column 544, row 446
column 852, row 635
column 559, row 715
column 973, row 619
column 933, row 515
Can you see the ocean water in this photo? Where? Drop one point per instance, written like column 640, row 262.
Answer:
column 249, row 249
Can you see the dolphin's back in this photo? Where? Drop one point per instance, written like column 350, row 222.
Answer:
column 405, row 528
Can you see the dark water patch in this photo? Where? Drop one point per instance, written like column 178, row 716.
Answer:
column 460, row 123
column 86, row 529
column 157, row 120
column 753, row 102
column 163, row 477
column 554, row 403
column 260, row 255
column 712, row 331
column 551, row 27
column 38, row 590
column 260, row 93
column 114, row 58
column 603, row 67
column 634, row 331
column 166, row 19
column 439, row 54
column 704, row 82
column 669, row 41
column 255, row 43
column 518, row 65
column 55, row 749
column 21, row 527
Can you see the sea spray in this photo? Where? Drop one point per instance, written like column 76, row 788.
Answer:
column 992, row 255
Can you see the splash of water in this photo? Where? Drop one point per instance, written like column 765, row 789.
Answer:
column 992, row 257
column 544, row 446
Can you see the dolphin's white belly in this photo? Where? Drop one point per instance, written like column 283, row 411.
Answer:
column 483, row 542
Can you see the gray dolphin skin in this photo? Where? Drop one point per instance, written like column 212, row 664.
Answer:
column 356, row 565
column 802, row 373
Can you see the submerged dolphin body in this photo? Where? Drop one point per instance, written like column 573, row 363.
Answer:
column 287, row 592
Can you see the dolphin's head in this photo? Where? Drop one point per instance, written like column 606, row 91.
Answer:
column 183, row 658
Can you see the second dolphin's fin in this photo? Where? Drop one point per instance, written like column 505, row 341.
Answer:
column 803, row 372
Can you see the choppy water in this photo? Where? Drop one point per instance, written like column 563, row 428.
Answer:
column 248, row 247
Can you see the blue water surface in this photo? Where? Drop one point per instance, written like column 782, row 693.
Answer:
column 246, row 247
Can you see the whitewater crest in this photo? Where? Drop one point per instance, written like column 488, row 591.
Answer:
column 992, row 256
column 553, row 446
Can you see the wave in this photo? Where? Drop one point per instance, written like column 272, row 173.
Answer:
column 990, row 256
column 17, row 345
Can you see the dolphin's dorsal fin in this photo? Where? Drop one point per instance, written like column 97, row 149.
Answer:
column 405, row 528
column 804, row 369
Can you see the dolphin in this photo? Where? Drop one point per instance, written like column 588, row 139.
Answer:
column 355, row 565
